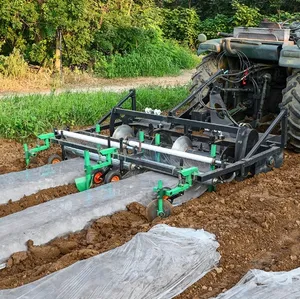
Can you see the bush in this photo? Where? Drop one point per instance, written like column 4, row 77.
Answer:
column 211, row 27
column 181, row 24
column 157, row 59
column 245, row 15
column 14, row 65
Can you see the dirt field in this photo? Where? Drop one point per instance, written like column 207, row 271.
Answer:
column 256, row 222
column 40, row 84
column 12, row 156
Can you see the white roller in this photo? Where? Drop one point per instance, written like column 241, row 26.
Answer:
column 132, row 143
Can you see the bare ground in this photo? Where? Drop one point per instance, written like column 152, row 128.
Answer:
column 85, row 83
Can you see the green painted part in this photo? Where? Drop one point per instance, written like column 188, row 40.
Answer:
column 290, row 57
column 213, row 154
column 84, row 183
column 160, row 207
column 187, row 175
column 97, row 128
column 46, row 136
column 32, row 152
column 157, row 139
column 261, row 50
column 157, row 142
column 141, row 136
column 27, row 154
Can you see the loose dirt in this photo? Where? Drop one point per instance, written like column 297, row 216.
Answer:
column 12, row 156
column 36, row 199
column 256, row 222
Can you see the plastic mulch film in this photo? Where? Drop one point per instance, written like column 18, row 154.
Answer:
column 161, row 263
column 15, row 185
column 71, row 213
column 258, row 284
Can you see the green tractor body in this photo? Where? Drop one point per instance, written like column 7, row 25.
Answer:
column 261, row 76
column 266, row 44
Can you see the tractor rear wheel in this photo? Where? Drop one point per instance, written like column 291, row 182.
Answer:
column 291, row 101
column 207, row 67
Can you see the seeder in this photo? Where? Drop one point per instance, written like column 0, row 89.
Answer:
column 181, row 144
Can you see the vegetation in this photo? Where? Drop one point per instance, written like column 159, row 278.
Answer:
column 115, row 38
column 25, row 117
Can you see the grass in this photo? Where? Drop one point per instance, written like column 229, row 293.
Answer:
column 161, row 59
column 25, row 117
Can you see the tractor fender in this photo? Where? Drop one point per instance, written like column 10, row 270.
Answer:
column 290, row 57
column 213, row 45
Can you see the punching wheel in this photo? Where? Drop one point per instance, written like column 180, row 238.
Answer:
column 151, row 210
column 54, row 159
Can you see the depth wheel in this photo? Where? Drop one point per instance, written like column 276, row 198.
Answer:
column 112, row 176
column 151, row 210
column 98, row 177
column 54, row 159
column 291, row 101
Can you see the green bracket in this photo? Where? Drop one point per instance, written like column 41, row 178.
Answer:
column 185, row 182
column 141, row 136
column 32, row 152
column 157, row 143
column 213, row 154
column 97, row 128
column 84, row 183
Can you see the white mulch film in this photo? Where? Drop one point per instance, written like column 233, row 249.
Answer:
column 71, row 213
column 258, row 284
column 159, row 264
column 15, row 185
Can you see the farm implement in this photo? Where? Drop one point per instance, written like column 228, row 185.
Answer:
column 181, row 144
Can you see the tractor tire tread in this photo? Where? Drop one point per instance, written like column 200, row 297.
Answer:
column 291, row 101
column 205, row 70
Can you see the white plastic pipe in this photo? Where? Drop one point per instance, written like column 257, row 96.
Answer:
column 132, row 143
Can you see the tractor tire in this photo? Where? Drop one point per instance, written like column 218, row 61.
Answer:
column 205, row 70
column 291, row 101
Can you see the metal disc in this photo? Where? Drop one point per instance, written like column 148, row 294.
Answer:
column 182, row 144
column 151, row 210
column 123, row 131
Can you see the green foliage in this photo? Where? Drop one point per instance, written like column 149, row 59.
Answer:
column 181, row 24
column 122, row 40
column 282, row 16
column 211, row 27
column 245, row 15
column 24, row 117
column 14, row 65
column 120, row 32
column 150, row 59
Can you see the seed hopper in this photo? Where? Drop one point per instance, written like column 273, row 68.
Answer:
column 181, row 144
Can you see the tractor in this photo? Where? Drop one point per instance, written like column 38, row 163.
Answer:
column 261, row 76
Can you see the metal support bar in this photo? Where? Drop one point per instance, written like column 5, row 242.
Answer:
column 177, row 121
column 203, row 177
column 132, row 144
column 266, row 133
column 130, row 95
column 192, row 96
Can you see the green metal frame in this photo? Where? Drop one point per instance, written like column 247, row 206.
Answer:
column 84, row 183
column 184, row 184
column 32, row 152
column 213, row 154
